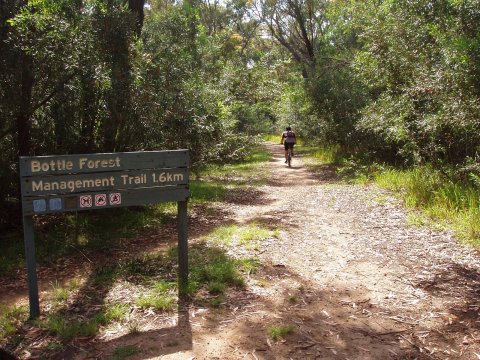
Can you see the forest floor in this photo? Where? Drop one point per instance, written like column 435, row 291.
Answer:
column 346, row 277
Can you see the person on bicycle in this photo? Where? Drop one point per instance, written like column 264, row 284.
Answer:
column 288, row 140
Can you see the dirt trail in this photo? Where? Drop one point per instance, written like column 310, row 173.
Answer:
column 351, row 275
column 348, row 273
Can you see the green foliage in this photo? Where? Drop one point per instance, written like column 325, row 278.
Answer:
column 11, row 253
column 279, row 332
column 323, row 154
column 419, row 66
column 98, row 82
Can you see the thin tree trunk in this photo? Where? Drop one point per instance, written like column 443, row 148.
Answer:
column 25, row 104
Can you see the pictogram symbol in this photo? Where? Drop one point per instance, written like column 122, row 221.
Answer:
column 55, row 204
column 100, row 199
column 115, row 199
column 39, row 206
column 85, row 201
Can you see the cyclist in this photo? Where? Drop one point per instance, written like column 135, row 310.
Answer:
column 288, row 140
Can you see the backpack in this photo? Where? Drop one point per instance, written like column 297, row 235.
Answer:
column 290, row 137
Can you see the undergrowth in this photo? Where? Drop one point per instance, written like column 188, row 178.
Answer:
column 442, row 200
column 11, row 318
column 226, row 176
column 60, row 235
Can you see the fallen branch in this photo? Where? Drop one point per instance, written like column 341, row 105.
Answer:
column 304, row 347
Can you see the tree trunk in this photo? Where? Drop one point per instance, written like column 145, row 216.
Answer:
column 25, row 104
column 136, row 6
column 89, row 110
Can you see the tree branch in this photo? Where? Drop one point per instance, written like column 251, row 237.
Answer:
column 55, row 90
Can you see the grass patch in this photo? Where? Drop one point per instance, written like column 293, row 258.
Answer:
column 292, row 299
column 133, row 327
column 248, row 266
column 216, row 287
column 448, row 203
column 163, row 286
column 146, row 265
column 223, row 235
column 59, row 293
column 160, row 297
column 221, row 270
column 216, row 302
column 204, row 192
column 279, row 332
column 68, row 328
column 249, row 236
column 214, row 271
column 123, row 352
column 113, row 313
column 54, row 346
column 11, row 318
column 156, row 301
column 105, row 275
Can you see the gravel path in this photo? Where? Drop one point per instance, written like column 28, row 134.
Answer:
column 372, row 285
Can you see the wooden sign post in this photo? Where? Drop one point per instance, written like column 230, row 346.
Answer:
column 52, row 184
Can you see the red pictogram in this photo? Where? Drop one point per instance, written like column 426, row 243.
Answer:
column 85, row 201
column 115, row 198
column 100, row 199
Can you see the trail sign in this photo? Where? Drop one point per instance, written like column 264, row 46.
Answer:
column 51, row 184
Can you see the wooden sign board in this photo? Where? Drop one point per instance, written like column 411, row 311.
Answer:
column 51, row 184
column 85, row 182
